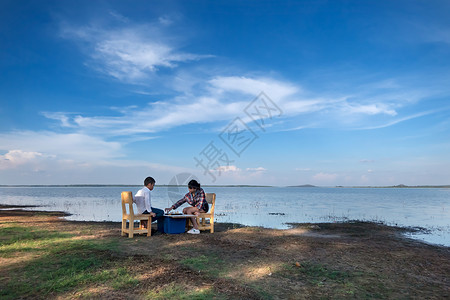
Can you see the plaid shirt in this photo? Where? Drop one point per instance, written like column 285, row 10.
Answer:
column 198, row 200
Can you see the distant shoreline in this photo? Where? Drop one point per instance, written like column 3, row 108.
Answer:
column 245, row 185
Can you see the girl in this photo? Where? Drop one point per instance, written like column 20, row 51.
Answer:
column 196, row 198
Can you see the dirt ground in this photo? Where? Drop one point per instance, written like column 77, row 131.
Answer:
column 309, row 261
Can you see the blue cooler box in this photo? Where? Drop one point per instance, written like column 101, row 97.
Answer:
column 172, row 225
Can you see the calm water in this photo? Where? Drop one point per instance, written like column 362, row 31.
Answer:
column 262, row 206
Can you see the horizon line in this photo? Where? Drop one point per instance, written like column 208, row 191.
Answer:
column 232, row 185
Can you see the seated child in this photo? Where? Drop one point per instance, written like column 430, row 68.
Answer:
column 143, row 200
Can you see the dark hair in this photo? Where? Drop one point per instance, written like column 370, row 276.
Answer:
column 194, row 184
column 149, row 180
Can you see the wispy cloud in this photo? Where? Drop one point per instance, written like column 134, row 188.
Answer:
column 212, row 104
column 253, row 86
column 369, row 109
column 130, row 54
column 225, row 98
column 399, row 120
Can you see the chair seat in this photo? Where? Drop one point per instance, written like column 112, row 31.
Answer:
column 204, row 215
column 136, row 217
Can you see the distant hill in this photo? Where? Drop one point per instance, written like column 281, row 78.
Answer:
column 303, row 185
column 400, row 186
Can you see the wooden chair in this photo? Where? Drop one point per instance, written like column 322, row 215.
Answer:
column 206, row 220
column 129, row 216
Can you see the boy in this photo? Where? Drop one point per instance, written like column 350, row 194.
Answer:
column 143, row 200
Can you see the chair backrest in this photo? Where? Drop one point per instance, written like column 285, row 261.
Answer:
column 127, row 198
column 211, row 199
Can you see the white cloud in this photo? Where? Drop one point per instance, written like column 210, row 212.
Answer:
column 227, row 169
column 162, row 115
column 62, row 117
column 225, row 98
column 258, row 169
column 275, row 89
column 50, row 158
column 14, row 158
column 400, row 120
column 130, row 54
column 37, row 168
column 73, row 145
column 129, row 57
column 370, row 109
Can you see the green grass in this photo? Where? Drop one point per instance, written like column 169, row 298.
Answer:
column 317, row 272
column 342, row 283
column 173, row 291
column 58, row 263
column 319, row 276
column 25, row 239
column 208, row 264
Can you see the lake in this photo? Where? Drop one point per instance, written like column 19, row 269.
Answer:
column 271, row 207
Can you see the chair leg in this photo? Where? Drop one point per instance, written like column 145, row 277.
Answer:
column 149, row 226
column 131, row 231
column 124, row 226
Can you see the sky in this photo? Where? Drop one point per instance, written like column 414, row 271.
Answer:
column 281, row 93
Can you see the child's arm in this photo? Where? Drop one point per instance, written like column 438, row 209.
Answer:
column 180, row 202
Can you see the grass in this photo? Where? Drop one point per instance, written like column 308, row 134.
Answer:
column 316, row 272
column 210, row 264
column 59, row 263
column 184, row 292
column 344, row 283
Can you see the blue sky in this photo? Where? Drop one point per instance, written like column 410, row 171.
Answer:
column 260, row 92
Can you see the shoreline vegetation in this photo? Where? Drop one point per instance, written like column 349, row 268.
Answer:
column 206, row 185
column 45, row 256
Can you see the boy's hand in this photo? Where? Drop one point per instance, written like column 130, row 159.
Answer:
column 152, row 214
column 167, row 209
